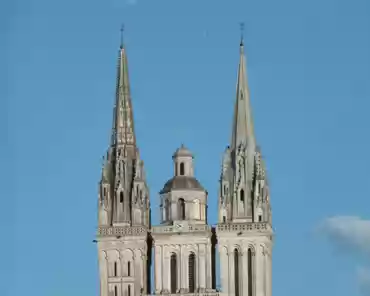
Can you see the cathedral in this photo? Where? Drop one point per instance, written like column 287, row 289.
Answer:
column 184, row 249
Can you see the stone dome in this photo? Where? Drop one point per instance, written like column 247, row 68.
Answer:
column 181, row 183
column 182, row 151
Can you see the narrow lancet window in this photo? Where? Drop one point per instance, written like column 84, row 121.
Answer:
column 167, row 210
column 129, row 290
column 192, row 273
column 173, row 273
column 129, row 268
column 115, row 269
column 250, row 273
column 181, row 209
column 182, row 169
column 236, row 272
column 242, row 195
column 115, row 291
column 121, row 197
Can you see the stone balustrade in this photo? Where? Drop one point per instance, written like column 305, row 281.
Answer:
column 194, row 294
column 122, row 231
column 173, row 228
column 237, row 227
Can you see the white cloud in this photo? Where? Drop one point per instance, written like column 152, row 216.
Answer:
column 354, row 233
column 349, row 231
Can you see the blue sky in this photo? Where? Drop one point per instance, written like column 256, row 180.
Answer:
column 309, row 73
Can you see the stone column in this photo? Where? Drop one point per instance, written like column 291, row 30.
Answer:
column 202, row 267
column 245, row 262
column 230, row 256
column 224, row 269
column 103, row 273
column 268, row 274
column 137, row 272
column 260, row 269
column 166, row 271
column 143, row 275
column 209, row 266
column 182, row 269
column 157, row 269
column 179, row 267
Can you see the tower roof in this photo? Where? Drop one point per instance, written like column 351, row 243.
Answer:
column 181, row 183
column 123, row 121
column 243, row 131
column 182, row 151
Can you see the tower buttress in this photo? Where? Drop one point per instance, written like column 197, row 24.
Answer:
column 124, row 248
column 244, row 230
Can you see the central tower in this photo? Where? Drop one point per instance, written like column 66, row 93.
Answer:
column 183, row 243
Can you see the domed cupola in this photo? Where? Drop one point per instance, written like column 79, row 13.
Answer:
column 182, row 196
column 183, row 178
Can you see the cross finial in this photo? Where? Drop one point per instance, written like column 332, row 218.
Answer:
column 241, row 33
column 122, row 30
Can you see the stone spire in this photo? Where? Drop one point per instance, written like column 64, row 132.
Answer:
column 244, row 232
column 243, row 131
column 123, row 132
column 241, row 161
column 129, row 198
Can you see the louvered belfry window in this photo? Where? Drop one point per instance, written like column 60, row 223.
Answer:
column 192, row 273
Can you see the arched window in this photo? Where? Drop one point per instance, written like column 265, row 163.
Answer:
column 129, row 268
column 223, row 219
column 104, row 192
column 242, row 195
column 192, row 271
column 115, row 291
column 259, row 215
column 115, row 269
column 167, row 210
column 121, row 196
column 181, row 209
column 237, row 272
column 250, row 273
column 129, row 290
column 182, row 169
column 173, row 273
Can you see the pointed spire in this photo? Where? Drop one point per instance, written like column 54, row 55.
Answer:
column 122, row 30
column 241, row 34
column 123, row 133
column 243, row 131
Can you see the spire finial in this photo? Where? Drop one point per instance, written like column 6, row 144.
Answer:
column 122, row 30
column 241, row 33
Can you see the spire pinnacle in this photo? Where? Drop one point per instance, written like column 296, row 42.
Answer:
column 123, row 133
column 122, row 31
column 242, row 34
column 243, row 123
